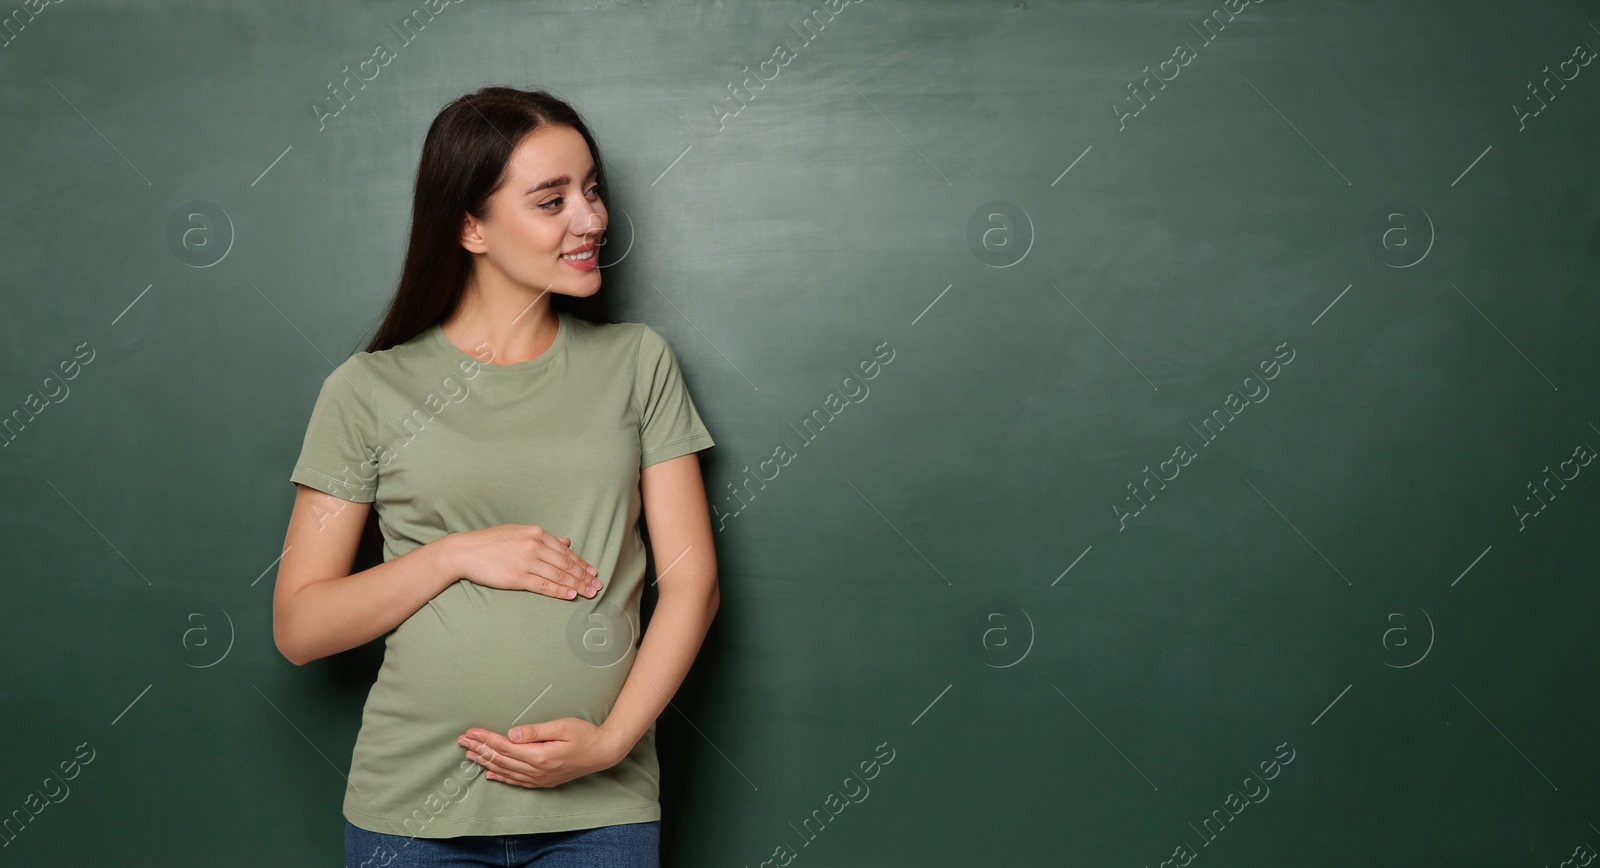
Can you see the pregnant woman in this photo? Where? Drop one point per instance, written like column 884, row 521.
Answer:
column 509, row 448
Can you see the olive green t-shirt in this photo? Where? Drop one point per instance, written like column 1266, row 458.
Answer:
column 442, row 442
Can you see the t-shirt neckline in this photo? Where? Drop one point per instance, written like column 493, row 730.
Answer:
column 563, row 325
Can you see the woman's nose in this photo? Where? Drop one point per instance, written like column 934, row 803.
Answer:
column 588, row 222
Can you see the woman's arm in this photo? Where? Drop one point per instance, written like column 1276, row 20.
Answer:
column 318, row 608
column 680, row 539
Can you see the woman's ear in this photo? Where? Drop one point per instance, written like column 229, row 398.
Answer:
column 471, row 237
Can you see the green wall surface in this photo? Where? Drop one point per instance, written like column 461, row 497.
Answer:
column 1223, row 495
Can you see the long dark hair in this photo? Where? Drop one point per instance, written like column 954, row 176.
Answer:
column 463, row 162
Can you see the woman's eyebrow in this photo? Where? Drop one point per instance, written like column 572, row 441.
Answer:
column 557, row 181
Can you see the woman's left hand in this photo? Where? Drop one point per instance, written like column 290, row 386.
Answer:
column 542, row 754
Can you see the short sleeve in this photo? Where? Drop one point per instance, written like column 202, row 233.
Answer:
column 337, row 456
column 669, row 425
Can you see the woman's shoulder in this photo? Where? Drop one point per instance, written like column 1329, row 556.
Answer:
column 420, row 356
column 615, row 337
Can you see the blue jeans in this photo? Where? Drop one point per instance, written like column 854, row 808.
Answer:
column 628, row 845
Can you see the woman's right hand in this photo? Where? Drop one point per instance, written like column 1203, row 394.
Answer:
column 521, row 557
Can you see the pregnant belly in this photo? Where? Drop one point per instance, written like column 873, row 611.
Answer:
column 479, row 656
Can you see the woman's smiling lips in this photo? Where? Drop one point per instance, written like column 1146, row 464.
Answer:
column 589, row 257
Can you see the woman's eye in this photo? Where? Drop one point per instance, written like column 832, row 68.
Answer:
column 554, row 204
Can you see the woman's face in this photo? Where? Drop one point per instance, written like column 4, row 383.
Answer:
column 548, row 208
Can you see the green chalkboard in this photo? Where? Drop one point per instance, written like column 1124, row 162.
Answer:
column 1222, row 493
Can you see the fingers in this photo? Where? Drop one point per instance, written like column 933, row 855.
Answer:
column 492, row 765
column 574, row 563
column 548, row 566
column 562, row 587
column 497, row 763
column 559, row 572
column 583, row 565
column 502, row 762
column 552, row 580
